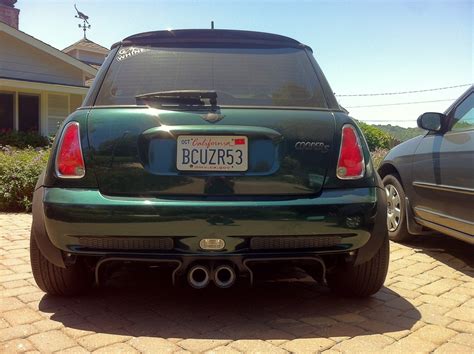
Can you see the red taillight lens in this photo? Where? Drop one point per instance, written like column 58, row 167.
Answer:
column 69, row 160
column 351, row 158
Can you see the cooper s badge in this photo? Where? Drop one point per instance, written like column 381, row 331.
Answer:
column 312, row 145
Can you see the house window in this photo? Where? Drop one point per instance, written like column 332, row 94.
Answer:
column 28, row 113
column 6, row 111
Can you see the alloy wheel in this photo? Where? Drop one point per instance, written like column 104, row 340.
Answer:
column 393, row 208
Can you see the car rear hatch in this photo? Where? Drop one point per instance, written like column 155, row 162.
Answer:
column 211, row 113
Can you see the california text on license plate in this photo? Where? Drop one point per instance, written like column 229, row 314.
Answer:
column 212, row 153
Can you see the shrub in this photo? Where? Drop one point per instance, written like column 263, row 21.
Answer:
column 375, row 137
column 22, row 140
column 19, row 170
column 378, row 156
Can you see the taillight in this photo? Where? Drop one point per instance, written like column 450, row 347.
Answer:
column 351, row 163
column 69, row 160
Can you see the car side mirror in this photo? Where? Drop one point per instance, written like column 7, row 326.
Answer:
column 431, row 121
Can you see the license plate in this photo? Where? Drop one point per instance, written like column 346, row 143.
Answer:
column 212, row 153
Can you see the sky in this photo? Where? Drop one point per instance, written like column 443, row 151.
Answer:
column 362, row 46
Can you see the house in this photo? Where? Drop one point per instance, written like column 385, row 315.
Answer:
column 39, row 84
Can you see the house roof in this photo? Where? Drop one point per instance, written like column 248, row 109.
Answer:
column 42, row 85
column 34, row 42
column 87, row 45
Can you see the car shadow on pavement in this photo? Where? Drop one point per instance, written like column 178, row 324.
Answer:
column 146, row 304
column 452, row 252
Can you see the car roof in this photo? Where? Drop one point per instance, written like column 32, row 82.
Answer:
column 214, row 37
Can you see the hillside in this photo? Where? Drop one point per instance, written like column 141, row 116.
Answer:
column 399, row 133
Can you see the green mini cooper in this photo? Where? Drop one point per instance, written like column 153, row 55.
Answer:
column 213, row 153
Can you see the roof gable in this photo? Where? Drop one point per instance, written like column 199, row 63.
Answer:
column 86, row 45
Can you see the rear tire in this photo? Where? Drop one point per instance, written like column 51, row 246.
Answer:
column 75, row 279
column 394, row 187
column 364, row 279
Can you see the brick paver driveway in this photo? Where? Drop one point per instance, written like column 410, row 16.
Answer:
column 427, row 305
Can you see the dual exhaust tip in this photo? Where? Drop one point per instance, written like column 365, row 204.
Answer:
column 199, row 276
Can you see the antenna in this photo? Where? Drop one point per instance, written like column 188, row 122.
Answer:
column 212, row 24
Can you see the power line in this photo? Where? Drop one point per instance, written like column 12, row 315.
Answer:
column 400, row 103
column 403, row 92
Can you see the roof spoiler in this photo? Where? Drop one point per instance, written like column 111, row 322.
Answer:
column 213, row 37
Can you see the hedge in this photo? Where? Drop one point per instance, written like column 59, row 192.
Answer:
column 376, row 138
column 377, row 156
column 23, row 140
column 19, row 170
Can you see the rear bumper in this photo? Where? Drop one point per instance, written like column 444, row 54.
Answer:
column 84, row 221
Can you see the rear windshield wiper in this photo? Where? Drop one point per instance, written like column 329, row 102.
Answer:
column 181, row 98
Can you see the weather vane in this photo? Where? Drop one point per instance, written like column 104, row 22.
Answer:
column 85, row 23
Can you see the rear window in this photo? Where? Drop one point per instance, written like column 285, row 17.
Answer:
column 240, row 76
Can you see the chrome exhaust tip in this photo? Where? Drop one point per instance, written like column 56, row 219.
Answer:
column 198, row 277
column 224, row 276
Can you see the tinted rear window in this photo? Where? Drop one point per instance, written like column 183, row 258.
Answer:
column 240, row 76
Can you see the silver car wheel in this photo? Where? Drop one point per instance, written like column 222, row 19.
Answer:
column 393, row 208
